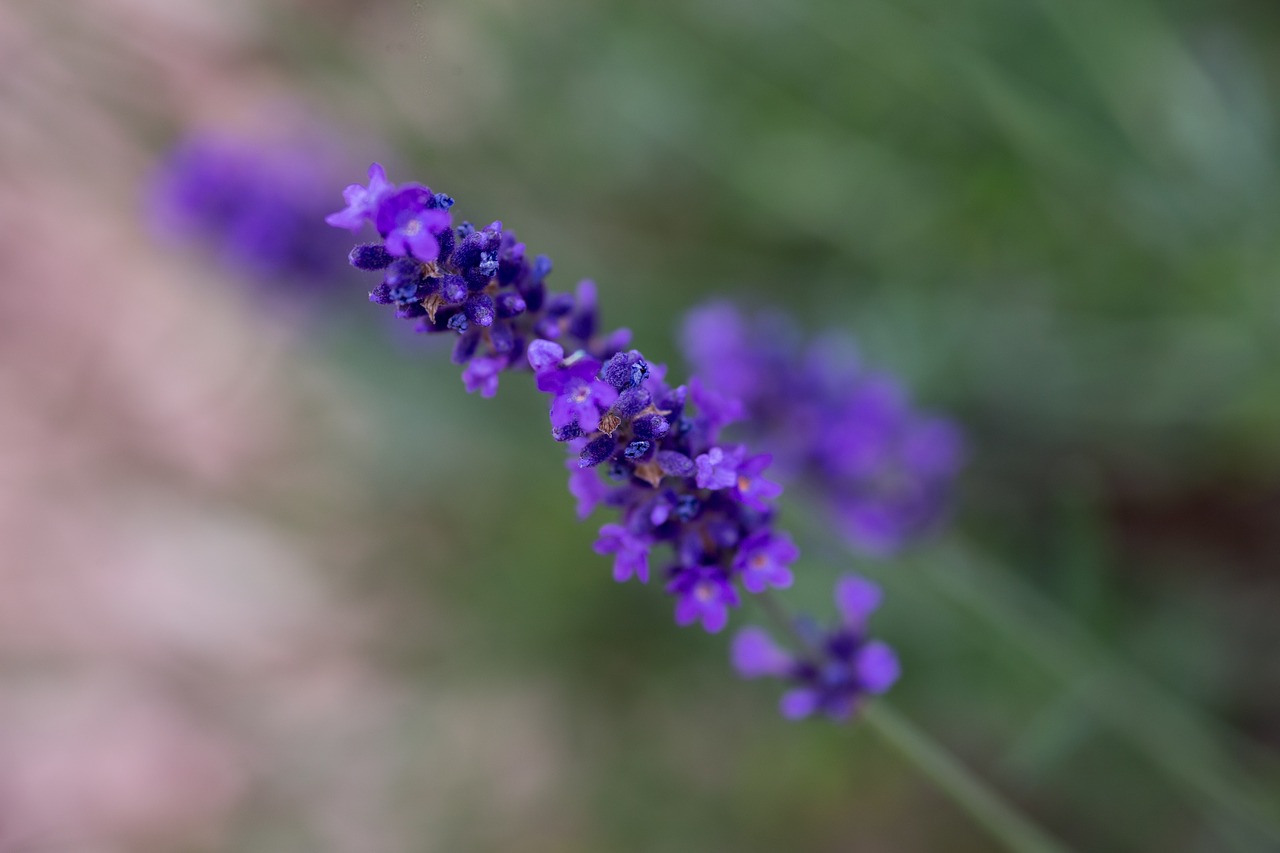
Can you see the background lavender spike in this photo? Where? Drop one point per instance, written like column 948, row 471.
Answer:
column 256, row 203
column 883, row 470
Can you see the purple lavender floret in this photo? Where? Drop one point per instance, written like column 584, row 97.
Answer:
column 883, row 470
column 831, row 672
column 763, row 558
column 649, row 451
column 632, row 552
column 411, row 222
column 704, row 594
column 362, row 201
column 718, row 469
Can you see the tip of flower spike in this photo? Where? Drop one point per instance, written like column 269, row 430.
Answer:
column 362, row 202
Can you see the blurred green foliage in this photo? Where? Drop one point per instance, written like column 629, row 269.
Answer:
column 1057, row 219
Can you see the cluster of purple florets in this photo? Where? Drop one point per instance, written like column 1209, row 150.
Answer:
column 649, row 450
column 835, row 669
column 883, row 470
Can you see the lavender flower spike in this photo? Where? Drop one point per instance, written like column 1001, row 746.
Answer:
column 647, row 450
column 883, row 470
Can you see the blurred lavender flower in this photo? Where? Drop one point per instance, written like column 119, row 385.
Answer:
column 258, row 203
column 833, row 671
column 671, row 480
column 883, row 470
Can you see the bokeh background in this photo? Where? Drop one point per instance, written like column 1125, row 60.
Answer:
column 270, row 580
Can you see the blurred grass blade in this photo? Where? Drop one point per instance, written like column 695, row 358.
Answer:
column 968, row 791
column 1177, row 739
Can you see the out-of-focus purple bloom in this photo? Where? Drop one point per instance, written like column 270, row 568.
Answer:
column 883, row 470
column 259, row 203
column 719, row 409
column 831, row 672
column 717, row 334
column 704, row 594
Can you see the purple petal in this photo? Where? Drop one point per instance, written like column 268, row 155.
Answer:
column 585, row 485
column 758, row 580
column 716, row 469
column 798, row 704
column 481, row 375
column 877, row 666
column 563, row 413
column 755, row 654
column 610, row 539
column 686, row 611
column 714, row 617
column 362, row 202
column 857, row 598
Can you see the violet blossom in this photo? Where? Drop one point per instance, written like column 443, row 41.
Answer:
column 831, row 672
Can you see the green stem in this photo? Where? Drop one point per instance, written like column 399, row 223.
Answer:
column 1173, row 737
column 983, row 803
